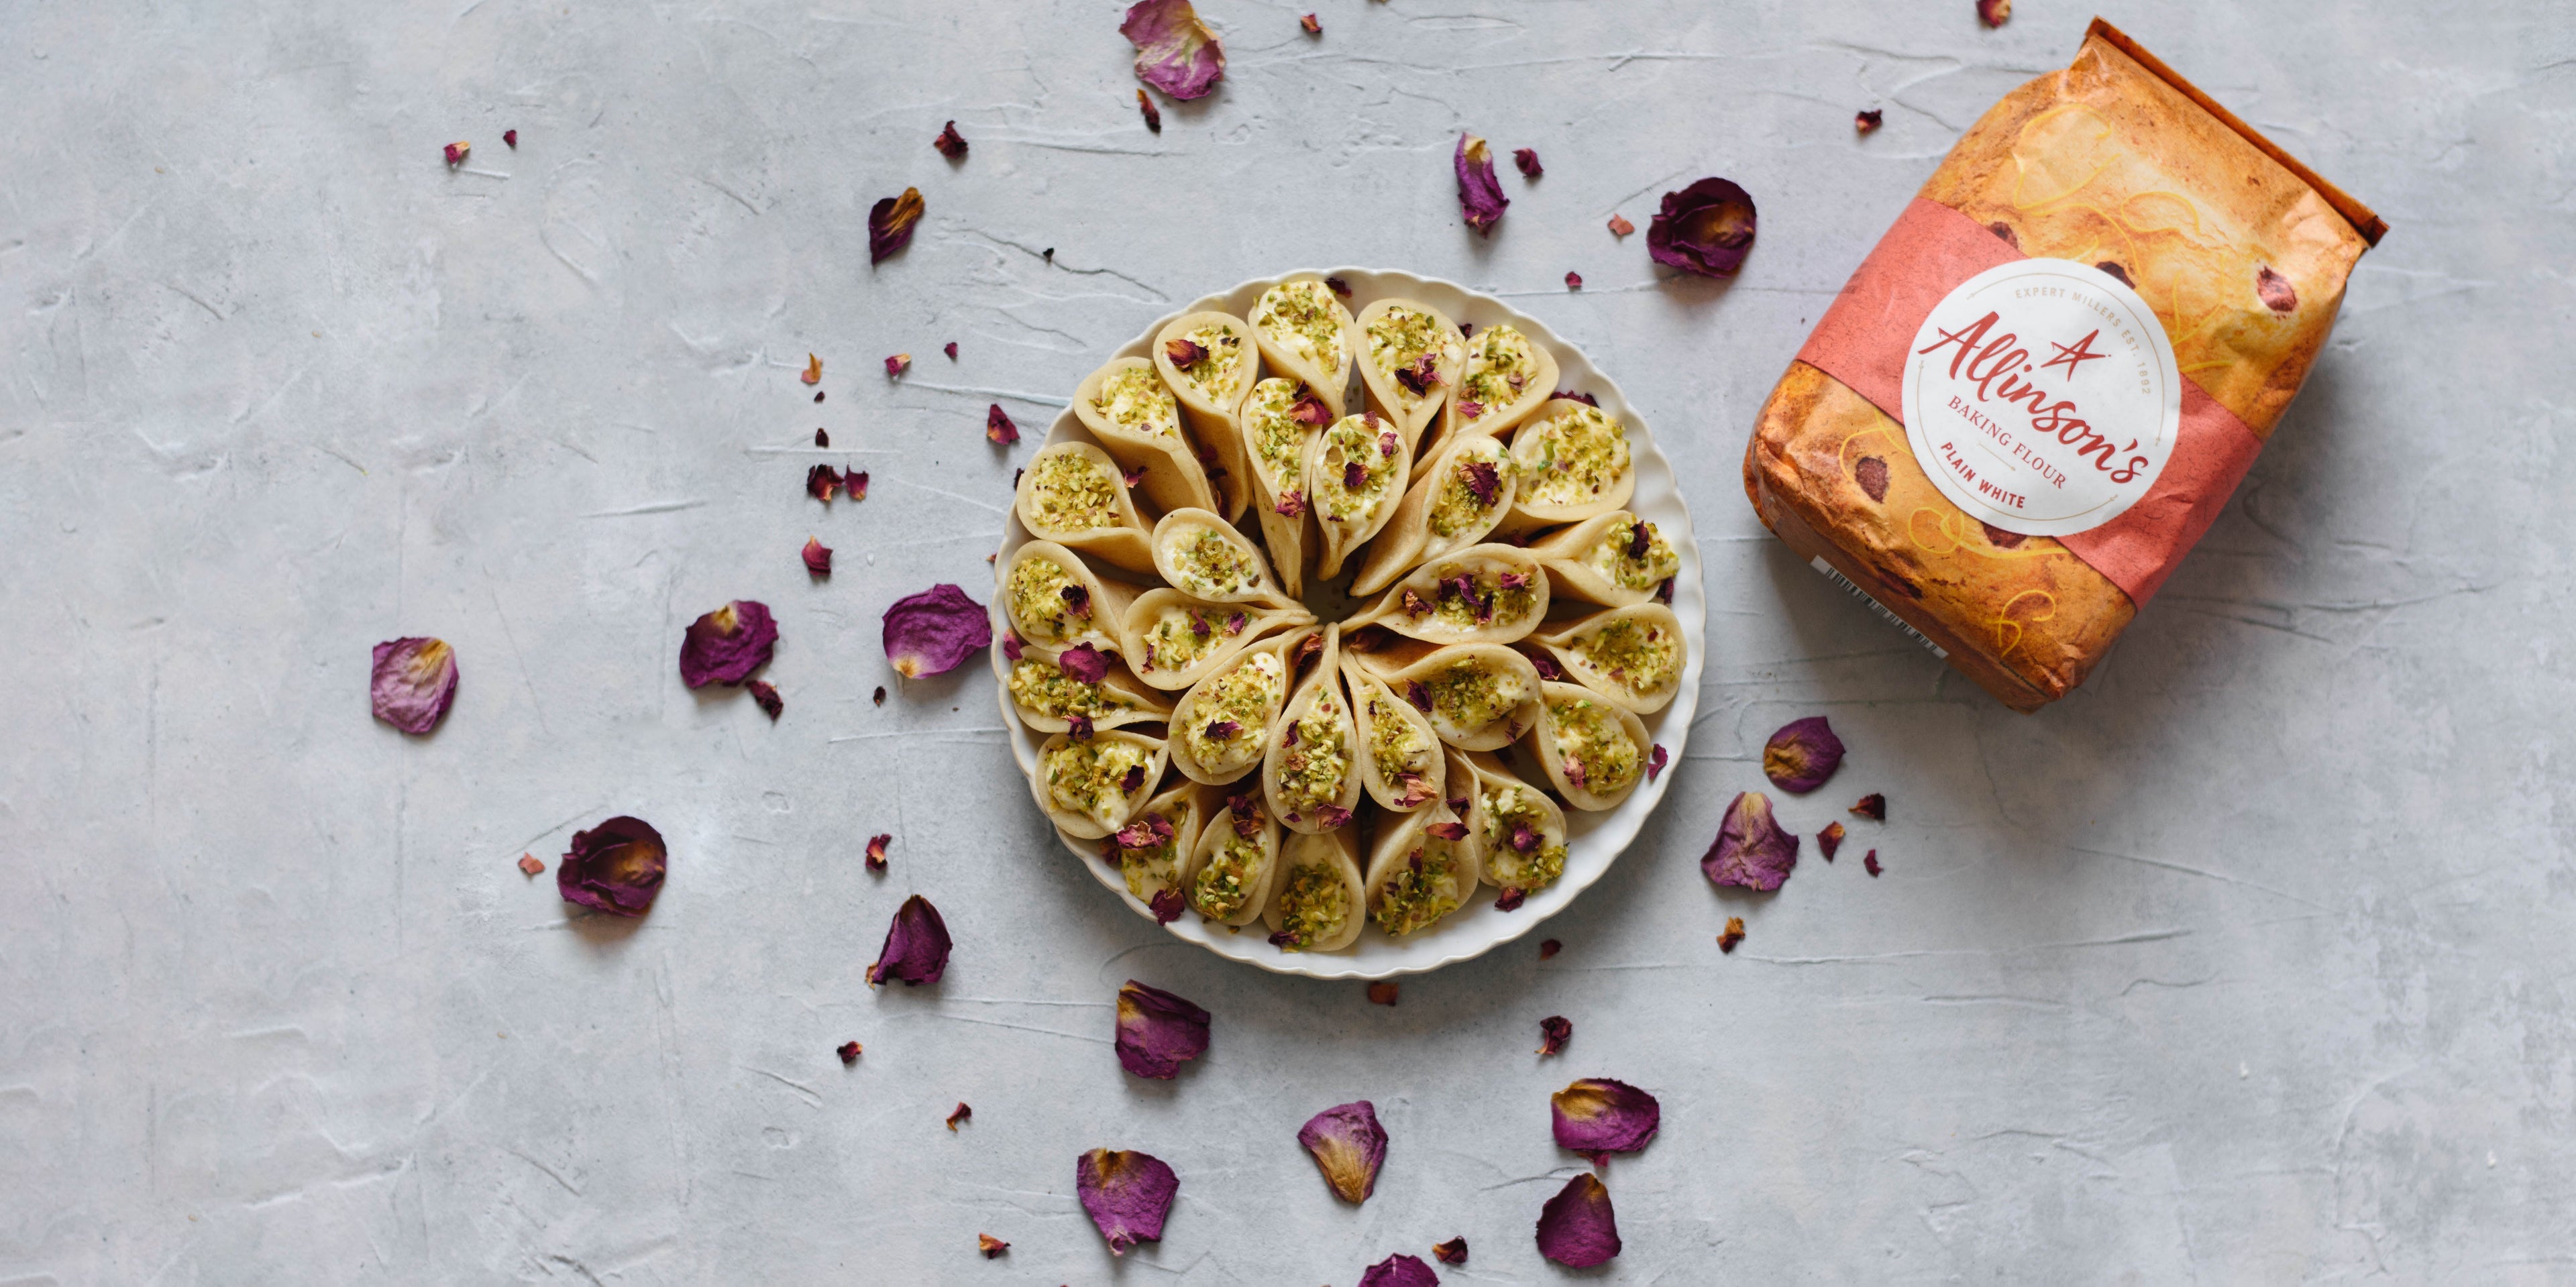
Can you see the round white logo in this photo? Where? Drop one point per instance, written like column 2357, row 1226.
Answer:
column 2042, row 397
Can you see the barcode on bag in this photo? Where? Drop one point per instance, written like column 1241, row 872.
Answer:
column 1819, row 564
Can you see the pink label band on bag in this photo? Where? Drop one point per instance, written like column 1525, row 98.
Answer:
column 2044, row 394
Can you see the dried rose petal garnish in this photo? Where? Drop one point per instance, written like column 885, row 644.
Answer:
column 950, row 348
column 813, row 370
column 765, row 694
column 1577, row 395
column 998, row 428
column 1733, row 934
column 950, row 143
column 1656, row 761
column 1620, row 227
column 1157, row 1031
column 510, row 138
column 615, row 867
column 1829, row 840
column 1869, row 861
column 1553, row 1032
column 1450, row 831
column 855, row 484
column 1012, row 648
column 985, row 1242
column 1864, row 122
column 818, row 557
column 1577, row 1226
column 1596, row 1115
column 821, row 439
column 1452, row 1252
column 890, row 223
column 1548, row 948
column 1527, row 159
column 1223, row 730
column 1382, row 993
column 531, row 865
column 961, row 1113
column 1872, row 806
column 849, row 1052
column 916, row 946
column 1994, row 13
column 877, row 850
column 1185, row 352
column 821, row 481
column 414, row 682
column 1349, row 1146
column 1134, row 781
column 1175, row 52
column 1338, row 286
column 455, row 153
column 1399, row 1270
column 1547, row 667
column 1083, row 663
column 1513, row 896
column 1127, row 1195
column 931, row 632
column 726, row 645
column 2274, row 289
column 1167, row 906
column 1574, row 281
column 1480, row 194
column 1802, row 755
column 1313, row 28
column 1706, row 228
column 1751, row 849
column 897, row 364
column 1153, row 121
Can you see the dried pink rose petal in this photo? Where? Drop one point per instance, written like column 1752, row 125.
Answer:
column 1127, row 1195
column 1731, row 935
column 1400, row 1270
column 1577, row 395
column 813, row 370
column 1313, row 28
column 765, row 694
column 1175, row 52
column 1802, row 755
column 821, row 481
column 455, row 153
column 1452, row 1252
column 1077, row 726
column 1577, row 1227
column 1185, row 351
column 849, row 1052
column 916, row 946
column 2275, row 290
column 998, row 428
column 1527, row 159
column 414, row 683
column 890, row 223
column 1349, row 1146
column 1012, row 648
column 818, row 557
column 877, row 850
column 1865, row 122
column 1994, row 13
column 855, row 484
column 726, row 645
column 1829, row 840
column 1554, row 1031
column 1452, row 830
column 1656, row 761
column 931, row 632
column 821, row 439
column 1706, row 228
column 951, row 144
column 531, row 865
column 898, row 363
column 511, row 139
column 1596, row 1115
column 1332, row 816
column 1167, row 906
column 1870, row 861
column 1084, row 663
column 615, row 867
column 1547, row 667
column 1574, row 281
column 1480, row 194
column 1153, row 121
column 962, row 1113
column 950, row 348
column 1620, row 227
column 1751, row 850
column 1157, row 1031
column 1513, row 896
column 985, row 1242
column 1872, row 806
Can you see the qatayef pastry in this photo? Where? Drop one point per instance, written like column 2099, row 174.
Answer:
column 1401, row 761
column 1235, row 862
column 1204, row 557
column 1048, row 689
column 1631, row 656
column 1593, row 750
column 1209, row 361
column 1153, row 849
column 1317, row 903
column 1304, row 333
column 1522, row 841
column 1282, row 420
column 1507, row 376
column 1091, row 787
column 1072, row 494
column 1482, row 594
column 1221, row 727
column 1423, row 868
column 1410, row 359
column 1310, row 771
column 1574, row 464
column 1055, row 600
column 1453, row 505
column 1138, row 422
column 1613, row 559
column 1354, row 478
column 1175, row 641
column 1477, row 696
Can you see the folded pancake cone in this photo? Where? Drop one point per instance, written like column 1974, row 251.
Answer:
column 1632, row 656
column 1133, row 413
column 1410, row 358
column 1084, row 786
column 1175, row 641
column 1235, row 862
column 1354, row 480
column 1222, row 364
column 1221, row 727
column 1592, row 749
column 1047, row 698
column 1463, row 496
column 1477, row 696
column 1305, row 334
column 1204, row 557
column 1153, row 850
column 1613, row 559
column 1422, row 868
column 1055, row 600
column 1520, row 840
column 1318, row 902
column 1507, row 377
column 1402, row 762
column 1310, row 771
column 1482, row 594
column 1072, row 494
column 1282, row 420
column 1574, row 464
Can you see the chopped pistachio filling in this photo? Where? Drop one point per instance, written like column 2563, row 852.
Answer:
column 1040, row 687
column 1213, row 375
column 1354, row 440
column 1571, row 458
column 1037, row 601
column 1212, row 567
column 1643, row 658
column 1303, row 318
column 1400, row 336
column 1590, row 737
column 1318, row 765
column 1084, row 777
column 1423, row 889
column 1133, row 397
column 1500, row 364
column 1611, row 558
column 1224, row 887
column 1152, row 867
column 1278, row 436
column 1181, row 637
column 1457, row 508
column 1396, row 744
column 1072, row 493
column 1484, row 600
column 1470, row 696
column 1245, row 694
column 1509, row 810
column 1314, row 906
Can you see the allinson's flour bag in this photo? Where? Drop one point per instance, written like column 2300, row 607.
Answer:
column 2041, row 387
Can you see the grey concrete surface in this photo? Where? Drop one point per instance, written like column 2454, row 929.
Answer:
column 2248, row 964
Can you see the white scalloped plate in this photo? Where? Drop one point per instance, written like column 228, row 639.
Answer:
column 1593, row 840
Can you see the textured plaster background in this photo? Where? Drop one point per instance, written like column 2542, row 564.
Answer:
column 2248, row 963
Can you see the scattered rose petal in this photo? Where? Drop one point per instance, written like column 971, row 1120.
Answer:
column 1313, row 28
column 950, row 143
column 890, row 223
column 1655, row 762
column 1620, row 227
column 855, row 484
column 1483, row 479
column 1353, row 474
column 813, row 370
column 1751, row 850
column 1869, row 861
column 765, row 694
column 1382, row 993
column 456, row 153
column 1706, row 228
column 1596, row 1115
column 2275, row 290
column 897, row 364
column 1548, row 947
column 961, row 1113
column 1547, row 667
column 1480, row 194
column 985, row 1242
column 1083, row 662
column 1166, row 906
column 1864, row 122
column 1575, row 395
column 1157, row 1031
column 1127, row 1194
column 1418, row 694
column 849, row 1053
column 510, row 139
column 1577, row 1227
column 1994, row 13
column 532, row 865
column 821, row 482
column 1802, row 755
column 1553, row 1032
column 1234, row 624
column 1175, row 52
column 414, row 683
column 1012, row 649
column 1223, row 730
column 1338, row 286
column 1400, row 1270
column 726, row 645
column 1348, row 1145
column 1452, row 831
column 1872, row 806
column 877, row 850
column 1153, row 121
column 1332, row 816
column 818, row 557
column 1513, row 896
column 1452, row 1252
column 1134, row 781
column 950, row 348
column 1830, row 839
column 931, row 632
column 916, row 946
column 1574, row 281
column 1733, row 935
column 615, row 867
column 879, row 699
column 821, row 439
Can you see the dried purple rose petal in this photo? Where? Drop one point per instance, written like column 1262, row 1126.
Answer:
column 1348, row 1145
column 931, row 632
column 990, row 1245
column 765, row 695
column 856, row 484
column 890, row 223
column 1480, row 194
column 2275, row 290
column 1451, row 831
column 1865, row 122
column 1731, row 935
column 1127, row 1194
column 1870, row 862
column 1130, row 477
column 1234, row 624
column 1175, row 52
column 1452, row 1252
column 1547, row 667
column 952, row 145
column 726, row 645
column 1577, row 395
column 998, row 428
column 821, row 439
column 1872, row 806
column 510, row 138
column 897, row 363
column 1829, row 840
column 1157, row 1031
column 414, row 682
column 1418, row 695
column 1223, row 730
column 1291, row 503
column 1185, row 351
column 531, row 865
column 1153, row 122
column 877, row 850
column 849, row 1052
column 1574, row 281
column 1134, row 781
column 1353, row 475
column 916, row 946
column 1338, row 286
column 1527, row 159
column 822, row 481
column 1382, row 993
column 1994, row 13
column 1598, row 1115
column 615, row 867
column 1751, row 850
column 1656, row 761
column 1012, row 648
column 1166, row 906
column 961, row 1113
column 950, row 348
column 1332, row 816
column 1077, row 601
column 818, row 557
column 1084, row 663
column 1145, row 832
column 1802, row 755
column 455, row 153
column 1553, row 1032
column 1513, row 896
column 1400, row 1270
column 1577, row 1227
column 1706, row 228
